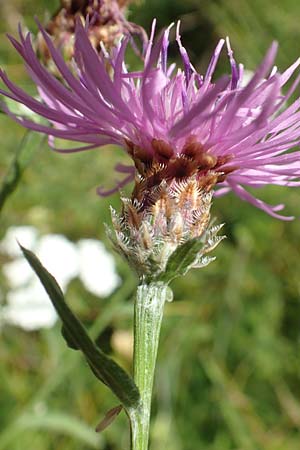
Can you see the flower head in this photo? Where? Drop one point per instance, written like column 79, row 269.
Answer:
column 176, row 125
column 105, row 22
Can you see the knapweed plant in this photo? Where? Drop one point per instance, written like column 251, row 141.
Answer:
column 190, row 138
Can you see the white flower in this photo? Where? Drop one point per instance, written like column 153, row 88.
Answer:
column 28, row 305
column 97, row 268
column 60, row 257
column 17, row 272
column 29, row 308
column 26, row 235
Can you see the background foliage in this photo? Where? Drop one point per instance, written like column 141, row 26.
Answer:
column 229, row 368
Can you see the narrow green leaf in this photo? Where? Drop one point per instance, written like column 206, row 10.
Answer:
column 103, row 367
column 23, row 155
column 69, row 338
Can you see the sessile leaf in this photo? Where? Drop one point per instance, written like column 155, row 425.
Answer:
column 105, row 369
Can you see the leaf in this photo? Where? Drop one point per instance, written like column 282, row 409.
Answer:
column 69, row 338
column 110, row 416
column 103, row 367
column 23, row 155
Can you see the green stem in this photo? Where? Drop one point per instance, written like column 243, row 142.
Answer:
column 148, row 314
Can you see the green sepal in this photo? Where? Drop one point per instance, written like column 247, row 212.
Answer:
column 192, row 254
column 107, row 370
column 182, row 259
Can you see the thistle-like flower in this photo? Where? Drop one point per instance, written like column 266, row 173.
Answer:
column 105, row 22
column 188, row 137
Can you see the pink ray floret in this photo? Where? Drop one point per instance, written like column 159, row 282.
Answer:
column 248, row 127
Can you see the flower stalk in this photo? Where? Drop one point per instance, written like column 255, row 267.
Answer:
column 148, row 313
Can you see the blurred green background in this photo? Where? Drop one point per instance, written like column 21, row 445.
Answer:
column 228, row 373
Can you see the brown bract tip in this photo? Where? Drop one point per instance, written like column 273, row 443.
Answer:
column 164, row 165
